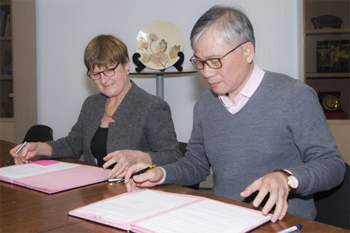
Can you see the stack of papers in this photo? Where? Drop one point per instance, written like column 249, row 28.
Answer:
column 50, row 176
column 157, row 211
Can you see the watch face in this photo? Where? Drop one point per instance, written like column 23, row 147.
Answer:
column 331, row 103
column 293, row 182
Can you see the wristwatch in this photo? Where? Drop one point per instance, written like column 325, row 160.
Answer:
column 292, row 181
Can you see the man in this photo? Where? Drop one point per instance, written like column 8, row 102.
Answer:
column 263, row 134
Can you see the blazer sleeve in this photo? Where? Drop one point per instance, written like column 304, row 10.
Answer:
column 72, row 145
column 161, row 134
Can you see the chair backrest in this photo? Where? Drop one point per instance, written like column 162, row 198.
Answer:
column 39, row 133
column 183, row 146
column 333, row 206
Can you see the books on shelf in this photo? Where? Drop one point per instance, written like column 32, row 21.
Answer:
column 5, row 23
column 332, row 56
column 6, row 67
column 7, row 32
column 157, row 211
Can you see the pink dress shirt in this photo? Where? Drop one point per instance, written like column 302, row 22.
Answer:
column 248, row 90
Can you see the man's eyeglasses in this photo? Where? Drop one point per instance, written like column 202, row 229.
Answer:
column 108, row 72
column 214, row 63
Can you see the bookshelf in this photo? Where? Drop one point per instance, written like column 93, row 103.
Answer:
column 330, row 79
column 5, row 60
column 18, row 86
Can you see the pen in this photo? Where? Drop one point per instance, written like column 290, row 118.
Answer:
column 17, row 151
column 134, row 174
column 291, row 229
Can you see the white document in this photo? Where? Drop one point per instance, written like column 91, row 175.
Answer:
column 31, row 169
column 206, row 216
column 157, row 211
column 50, row 176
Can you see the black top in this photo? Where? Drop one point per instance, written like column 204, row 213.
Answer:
column 99, row 145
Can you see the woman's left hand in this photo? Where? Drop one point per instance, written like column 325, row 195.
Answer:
column 123, row 160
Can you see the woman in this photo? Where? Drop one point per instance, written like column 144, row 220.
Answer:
column 121, row 125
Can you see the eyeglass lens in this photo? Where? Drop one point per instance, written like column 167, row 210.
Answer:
column 108, row 72
column 214, row 63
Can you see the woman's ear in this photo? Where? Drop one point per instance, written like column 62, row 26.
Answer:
column 127, row 65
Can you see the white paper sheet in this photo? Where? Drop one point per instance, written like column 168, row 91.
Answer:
column 157, row 211
column 31, row 169
column 206, row 216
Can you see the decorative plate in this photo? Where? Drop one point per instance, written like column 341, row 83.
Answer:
column 158, row 44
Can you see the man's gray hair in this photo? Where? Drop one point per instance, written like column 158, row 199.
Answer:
column 231, row 23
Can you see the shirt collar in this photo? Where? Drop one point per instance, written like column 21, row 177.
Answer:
column 249, row 88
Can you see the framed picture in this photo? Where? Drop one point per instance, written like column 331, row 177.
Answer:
column 344, row 55
column 332, row 56
column 322, row 56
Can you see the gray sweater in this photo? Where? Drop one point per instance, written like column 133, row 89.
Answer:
column 143, row 122
column 281, row 126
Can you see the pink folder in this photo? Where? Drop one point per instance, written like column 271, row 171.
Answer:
column 51, row 176
column 156, row 211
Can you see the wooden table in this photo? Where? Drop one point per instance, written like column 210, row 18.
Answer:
column 25, row 210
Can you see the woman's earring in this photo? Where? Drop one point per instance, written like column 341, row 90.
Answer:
column 127, row 72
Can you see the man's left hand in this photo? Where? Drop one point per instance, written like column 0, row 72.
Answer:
column 275, row 184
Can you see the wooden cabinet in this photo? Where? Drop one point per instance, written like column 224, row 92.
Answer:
column 320, row 71
column 341, row 133
column 332, row 78
column 18, row 87
column 6, row 77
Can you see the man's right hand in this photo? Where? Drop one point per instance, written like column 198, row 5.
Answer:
column 148, row 179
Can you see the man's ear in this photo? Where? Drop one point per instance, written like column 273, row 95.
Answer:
column 249, row 52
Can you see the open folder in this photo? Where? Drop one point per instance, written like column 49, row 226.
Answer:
column 50, row 176
column 156, row 211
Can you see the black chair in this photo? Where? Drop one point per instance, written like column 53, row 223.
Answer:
column 39, row 133
column 333, row 205
column 183, row 146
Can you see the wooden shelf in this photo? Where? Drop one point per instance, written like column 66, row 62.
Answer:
column 6, row 38
column 327, row 75
column 22, row 81
column 6, row 78
column 8, row 119
column 327, row 31
column 328, row 82
column 338, row 122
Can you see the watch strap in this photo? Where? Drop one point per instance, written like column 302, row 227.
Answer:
column 286, row 175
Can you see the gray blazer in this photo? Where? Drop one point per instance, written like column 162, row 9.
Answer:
column 142, row 122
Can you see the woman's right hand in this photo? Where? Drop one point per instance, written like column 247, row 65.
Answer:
column 29, row 151
column 150, row 178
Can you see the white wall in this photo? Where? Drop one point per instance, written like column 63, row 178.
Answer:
column 65, row 27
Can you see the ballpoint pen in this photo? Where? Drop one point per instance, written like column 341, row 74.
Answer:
column 17, row 151
column 134, row 174
column 291, row 229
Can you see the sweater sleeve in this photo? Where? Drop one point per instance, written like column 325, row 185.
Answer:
column 194, row 167
column 323, row 166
